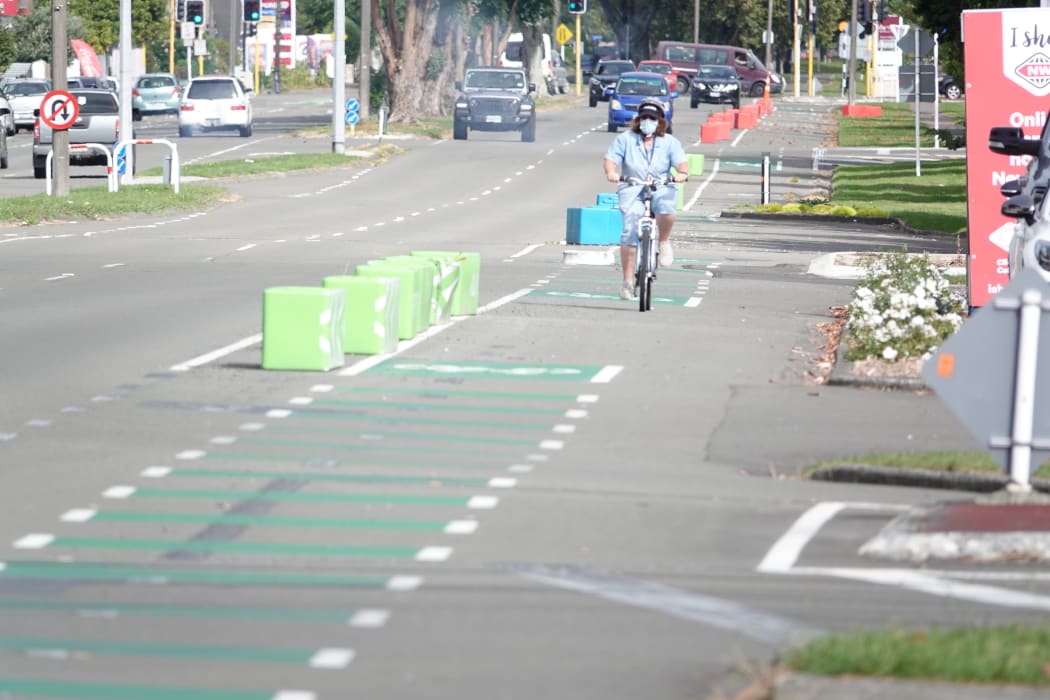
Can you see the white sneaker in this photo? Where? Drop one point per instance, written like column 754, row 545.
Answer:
column 666, row 254
column 627, row 291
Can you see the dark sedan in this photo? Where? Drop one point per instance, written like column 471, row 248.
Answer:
column 605, row 75
column 715, row 84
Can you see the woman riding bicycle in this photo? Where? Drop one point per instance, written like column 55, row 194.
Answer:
column 645, row 151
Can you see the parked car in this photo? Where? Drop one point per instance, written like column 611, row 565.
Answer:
column 630, row 90
column 675, row 80
column 90, row 81
column 495, row 99
column 7, row 116
column 25, row 96
column 98, row 121
column 3, row 149
column 715, row 84
column 155, row 93
column 605, row 75
column 949, row 88
column 213, row 103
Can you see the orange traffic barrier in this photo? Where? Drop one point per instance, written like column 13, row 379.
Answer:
column 861, row 111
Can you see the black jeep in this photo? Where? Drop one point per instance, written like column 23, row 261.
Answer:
column 495, row 99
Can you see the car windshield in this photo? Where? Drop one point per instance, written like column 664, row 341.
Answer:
column 615, row 68
column 642, row 87
column 157, row 81
column 494, row 79
column 655, row 68
column 23, row 89
column 716, row 73
column 212, row 90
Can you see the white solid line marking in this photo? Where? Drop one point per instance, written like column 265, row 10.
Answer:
column 251, row 427
column 785, row 552
column 576, row 413
column 461, row 527
column 482, row 502
column 369, row 618
column 502, row 483
column 156, row 472
column 332, row 658
column 587, row 398
column 190, row 454
column 216, row 354
column 78, row 515
column 434, row 554
column 294, row 695
column 301, row 400
column 322, row 388
column 119, row 492
column 606, row 374
column 36, row 540
column 700, row 189
column 278, row 413
column 223, row 440
column 551, row 444
column 693, row 302
column 492, row 306
column 373, row 360
column 404, row 583
column 526, row 250
column 564, row 428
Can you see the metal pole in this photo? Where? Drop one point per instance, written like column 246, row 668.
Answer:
column 936, row 93
column 233, row 33
column 696, row 25
column 339, row 81
column 852, row 92
column 59, row 137
column 769, row 35
column 765, row 179
column 1024, row 389
column 918, row 161
column 171, row 33
column 126, row 129
column 579, row 49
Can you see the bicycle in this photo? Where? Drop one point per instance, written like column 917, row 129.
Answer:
column 648, row 249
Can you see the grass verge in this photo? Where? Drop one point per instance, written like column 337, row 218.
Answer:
column 1013, row 654
column 896, row 126
column 973, row 462
column 92, row 203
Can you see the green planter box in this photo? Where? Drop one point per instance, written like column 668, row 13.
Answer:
column 302, row 328
column 446, row 267
column 467, row 289
column 370, row 313
column 426, row 273
column 408, row 293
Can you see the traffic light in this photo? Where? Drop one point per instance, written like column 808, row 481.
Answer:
column 577, row 7
column 864, row 22
column 180, row 10
column 195, row 11
column 251, row 10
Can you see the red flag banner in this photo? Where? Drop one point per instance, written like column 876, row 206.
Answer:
column 89, row 63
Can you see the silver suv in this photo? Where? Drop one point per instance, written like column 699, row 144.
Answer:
column 495, row 99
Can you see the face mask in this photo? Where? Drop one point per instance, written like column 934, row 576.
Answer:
column 648, row 126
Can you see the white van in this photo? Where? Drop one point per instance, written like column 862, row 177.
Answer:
column 553, row 67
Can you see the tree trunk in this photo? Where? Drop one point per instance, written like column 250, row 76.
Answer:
column 630, row 22
column 406, row 48
column 532, row 53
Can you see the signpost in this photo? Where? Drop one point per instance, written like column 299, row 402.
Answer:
column 59, row 109
column 988, row 375
column 353, row 114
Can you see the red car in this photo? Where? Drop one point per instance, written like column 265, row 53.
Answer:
column 675, row 80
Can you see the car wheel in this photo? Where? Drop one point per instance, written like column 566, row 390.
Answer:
column 693, row 102
column 459, row 129
column 136, row 115
column 246, row 130
column 39, row 169
column 184, row 131
column 593, row 100
column 758, row 89
column 683, row 86
column 612, row 127
column 952, row 91
column 3, row 162
column 528, row 132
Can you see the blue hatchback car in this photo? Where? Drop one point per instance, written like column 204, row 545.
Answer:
column 630, row 90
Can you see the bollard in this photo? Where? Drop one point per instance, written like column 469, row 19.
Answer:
column 765, row 178
column 166, row 170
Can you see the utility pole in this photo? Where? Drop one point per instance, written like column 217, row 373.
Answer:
column 364, row 68
column 338, row 80
column 769, row 36
column 59, row 137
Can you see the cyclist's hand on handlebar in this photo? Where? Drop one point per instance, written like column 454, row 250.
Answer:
column 613, row 177
column 681, row 177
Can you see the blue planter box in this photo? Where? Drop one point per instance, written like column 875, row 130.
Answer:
column 592, row 225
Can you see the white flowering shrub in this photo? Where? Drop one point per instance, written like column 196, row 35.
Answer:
column 902, row 308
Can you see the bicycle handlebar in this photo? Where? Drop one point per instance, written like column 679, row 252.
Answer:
column 653, row 183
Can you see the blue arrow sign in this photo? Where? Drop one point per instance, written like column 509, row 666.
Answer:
column 121, row 161
column 352, row 118
column 352, row 105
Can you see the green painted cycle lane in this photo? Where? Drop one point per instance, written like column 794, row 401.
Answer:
column 319, row 476
column 442, row 393
column 234, row 547
column 158, row 575
column 486, row 370
column 26, row 687
column 293, row 496
column 115, row 609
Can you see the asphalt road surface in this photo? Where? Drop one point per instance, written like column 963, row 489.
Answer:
column 559, row 497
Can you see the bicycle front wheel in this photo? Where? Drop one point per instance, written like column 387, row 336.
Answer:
column 645, row 273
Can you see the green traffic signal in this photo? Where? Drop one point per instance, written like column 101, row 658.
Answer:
column 577, row 7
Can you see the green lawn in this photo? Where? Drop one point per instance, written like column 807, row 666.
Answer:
column 935, row 200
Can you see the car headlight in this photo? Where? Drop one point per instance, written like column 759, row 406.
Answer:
column 615, row 104
column 461, row 105
column 526, row 107
column 702, row 86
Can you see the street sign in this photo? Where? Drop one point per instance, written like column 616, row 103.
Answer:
column 986, row 372
column 352, row 118
column 352, row 105
column 120, row 160
column 563, row 34
column 907, row 42
column 59, row 109
column 187, row 31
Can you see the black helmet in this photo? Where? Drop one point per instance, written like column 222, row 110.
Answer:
column 651, row 108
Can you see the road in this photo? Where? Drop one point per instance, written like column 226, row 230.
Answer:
column 558, row 497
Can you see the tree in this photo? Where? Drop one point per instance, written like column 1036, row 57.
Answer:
column 7, row 46
column 33, row 34
column 404, row 33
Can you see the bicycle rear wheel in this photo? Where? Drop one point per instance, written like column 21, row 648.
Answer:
column 644, row 281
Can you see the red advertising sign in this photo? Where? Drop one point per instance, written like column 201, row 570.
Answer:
column 1007, row 56
column 8, row 8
